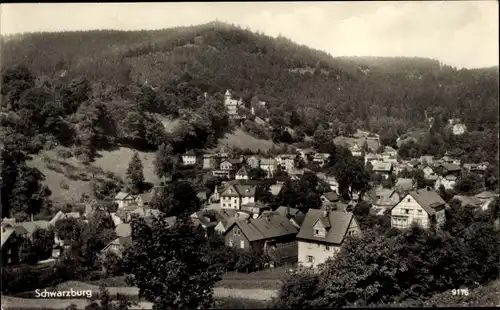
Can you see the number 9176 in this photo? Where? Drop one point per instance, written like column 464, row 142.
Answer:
column 460, row 292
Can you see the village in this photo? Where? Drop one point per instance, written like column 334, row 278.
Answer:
column 233, row 210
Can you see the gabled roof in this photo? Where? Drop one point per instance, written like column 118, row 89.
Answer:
column 6, row 235
column 267, row 161
column 284, row 210
column 450, row 167
column 123, row 196
column 146, row 197
column 404, row 184
column 243, row 171
column 428, row 199
column 381, row 166
column 235, row 161
column 468, row 200
column 275, row 189
column 331, row 196
column 30, row 227
column 265, row 227
column 61, row 215
column 120, row 241
column 123, row 230
column 190, row 153
column 239, row 190
column 486, row 195
column 339, row 223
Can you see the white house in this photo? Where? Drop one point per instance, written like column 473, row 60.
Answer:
column 124, row 200
column 448, row 182
column 189, row 158
column 423, row 206
column 270, row 165
column 286, row 161
column 356, row 150
column 322, row 234
column 231, row 104
column 242, row 174
column 321, row 158
column 383, row 169
column 236, row 195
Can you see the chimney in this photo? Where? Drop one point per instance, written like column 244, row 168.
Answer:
column 325, row 213
column 428, row 188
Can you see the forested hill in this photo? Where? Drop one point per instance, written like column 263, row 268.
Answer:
column 385, row 95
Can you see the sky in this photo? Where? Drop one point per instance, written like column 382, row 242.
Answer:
column 463, row 34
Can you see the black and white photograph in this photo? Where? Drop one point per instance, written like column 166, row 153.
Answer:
column 249, row 155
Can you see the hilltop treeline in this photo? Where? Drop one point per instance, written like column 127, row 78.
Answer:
column 319, row 87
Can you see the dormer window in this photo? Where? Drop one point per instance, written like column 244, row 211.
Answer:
column 319, row 232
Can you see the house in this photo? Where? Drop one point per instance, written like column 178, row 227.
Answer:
column 426, row 160
column 330, row 180
column 253, row 162
column 356, row 150
column 189, row 158
column 207, row 219
column 236, row 195
column 272, row 234
column 143, row 200
column 429, row 173
column 117, row 246
column 305, row 154
column 295, row 216
column 448, row 182
column 145, row 212
column 404, row 185
column 383, row 169
column 321, row 158
column 322, row 234
column 372, row 158
column 62, row 215
column 448, row 169
column 275, row 189
column 242, row 174
column 329, row 198
column 390, row 151
column 255, row 209
column 457, row 127
column 231, row 164
column 270, row 165
column 225, row 218
column 124, row 200
column 123, row 230
column 210, row 161
column 423, row 206
column 222, row 173
column 286, row 161
column 231, row 104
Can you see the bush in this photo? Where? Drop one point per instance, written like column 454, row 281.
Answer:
column 63, row 152
column 64, row 184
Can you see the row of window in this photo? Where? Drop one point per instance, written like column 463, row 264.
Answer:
column 407, row 211
column 324, row 247
column 242, row 243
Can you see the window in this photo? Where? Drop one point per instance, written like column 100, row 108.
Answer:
column 419, row 211
column 327, row 247
column 231, row 242
column 316, row 231
column 223, row 204
column 237, row 232
column 407, row 211
column 242, row 244
column 408, row 200
column 310, row 259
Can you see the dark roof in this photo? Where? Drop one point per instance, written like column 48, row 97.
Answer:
column 238, row 190
column 283, row 210
column 265, row 227
column 428, row 199
column 338, row 222
column 450, row 167
column 235, row 161
column 331, row 196
column 404, row 184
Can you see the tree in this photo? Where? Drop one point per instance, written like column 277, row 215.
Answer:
column 42, row 241
column 165, row 160
column 321, row 137
column 106, row 302
column 168, row 267
column 176, row 199
column 299, row 291
column 469, row 183
column 135, row 175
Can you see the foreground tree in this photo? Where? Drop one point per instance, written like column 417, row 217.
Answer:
column 165, row 160
column 168, row 267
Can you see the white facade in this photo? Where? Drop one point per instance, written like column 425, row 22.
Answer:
column 408, row 210
column 287, row 162
column 188, row 159
column 447, row 182
column 311, row 253
column 459, row 129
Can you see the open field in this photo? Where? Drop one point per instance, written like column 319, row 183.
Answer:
column 240, row 139
column 68, row 178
